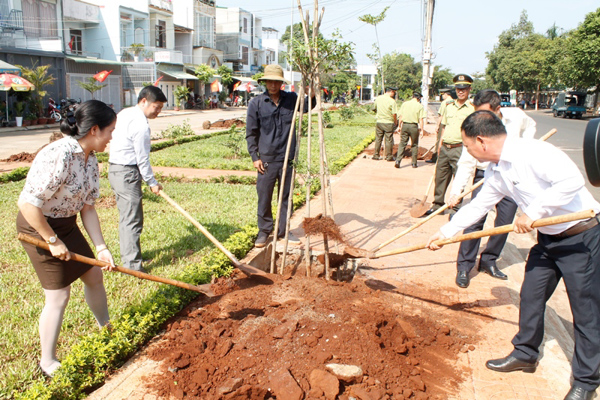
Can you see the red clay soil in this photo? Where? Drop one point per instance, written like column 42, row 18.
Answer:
column 274, row 338
column 228, row 123
column 28, row 157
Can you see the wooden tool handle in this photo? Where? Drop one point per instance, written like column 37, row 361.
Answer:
column 494, row 231
column 202, row 229
column 445, row 206
column 138, row 274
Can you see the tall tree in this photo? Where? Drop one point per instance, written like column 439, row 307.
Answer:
column 442, row 77
column 583, row 53
column 204, row 73
column 403, row 72
column 374, row 20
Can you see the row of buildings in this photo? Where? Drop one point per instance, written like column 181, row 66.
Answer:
column 139, row 40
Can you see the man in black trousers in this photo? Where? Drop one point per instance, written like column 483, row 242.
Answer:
column 268, row 124
column 544, row 182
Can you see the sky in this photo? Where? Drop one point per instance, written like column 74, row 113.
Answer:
column 463, row 30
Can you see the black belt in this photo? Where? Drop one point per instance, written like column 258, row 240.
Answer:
column 411, row 123
column 580, row 227
column 451, row 146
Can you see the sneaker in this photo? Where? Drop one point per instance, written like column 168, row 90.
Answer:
column 261, row 240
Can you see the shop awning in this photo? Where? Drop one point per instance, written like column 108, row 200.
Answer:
column 179, row 75
column 243, row 79
column 6, row 68
column 86, row 60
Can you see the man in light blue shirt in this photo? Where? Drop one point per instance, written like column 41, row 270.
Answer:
column 130, row 164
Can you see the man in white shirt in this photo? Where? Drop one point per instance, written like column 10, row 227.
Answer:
column 544, row 182
column 517, row 124
column 130, row 164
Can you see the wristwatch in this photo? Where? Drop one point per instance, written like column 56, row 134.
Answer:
column 51, row 239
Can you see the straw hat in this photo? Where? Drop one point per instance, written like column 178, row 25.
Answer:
column 273, row 72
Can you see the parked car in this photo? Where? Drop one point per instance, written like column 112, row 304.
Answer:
column 505, row 100
column 569, row 104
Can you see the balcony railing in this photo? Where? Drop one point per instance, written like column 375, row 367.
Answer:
column 152, row 54
column 12, row 22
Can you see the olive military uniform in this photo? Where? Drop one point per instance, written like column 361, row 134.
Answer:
column 386, row 109
column 412, row 113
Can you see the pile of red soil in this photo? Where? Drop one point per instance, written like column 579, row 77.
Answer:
column 320, row 225
column 21, row 157
column 228, row 123
column 287, row 338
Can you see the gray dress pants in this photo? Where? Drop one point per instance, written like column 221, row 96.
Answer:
column 126, row 182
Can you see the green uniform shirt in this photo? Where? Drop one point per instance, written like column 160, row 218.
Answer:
column 443, row 106
column 453, row 119
column 412, row 111
column 386, row 108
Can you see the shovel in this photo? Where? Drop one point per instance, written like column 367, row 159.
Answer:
column 421, row 207
column 494, row 231
column 245, row 268
column 204, row 289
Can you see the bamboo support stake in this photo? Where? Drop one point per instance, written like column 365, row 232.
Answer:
column 308, row 180
column 204, row 289
column 298, row 132
column 493, row 231
column 282, row 186
column 444, row 207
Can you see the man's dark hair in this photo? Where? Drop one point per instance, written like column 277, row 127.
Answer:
column 152, row 94
column 483, row 123
column 487, row 96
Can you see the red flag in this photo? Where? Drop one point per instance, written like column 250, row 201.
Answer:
column 71, row 43
column 102, row 75
column 237, row 84
column 156, row 81
column 249, row 87
column 214, row 87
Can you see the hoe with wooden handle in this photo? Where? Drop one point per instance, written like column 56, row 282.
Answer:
column 204, row 289
column 490, row 232
column 245, row 268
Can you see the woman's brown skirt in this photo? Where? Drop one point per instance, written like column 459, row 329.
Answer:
column 52, row 272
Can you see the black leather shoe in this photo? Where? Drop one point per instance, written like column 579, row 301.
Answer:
column 492, row 271
column 462, row 279
column 397, row 164
column 577, row 393
column 430, row 211
column 261, row 240
column 510, row 363
column 390, row 159
column 432, row 160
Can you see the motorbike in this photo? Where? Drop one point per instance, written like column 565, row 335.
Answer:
column 54, row 110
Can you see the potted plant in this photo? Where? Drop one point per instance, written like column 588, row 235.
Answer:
column 179, row 94
column 40, row 78
column 30, row 119
column 136, row 49
column 19, row 109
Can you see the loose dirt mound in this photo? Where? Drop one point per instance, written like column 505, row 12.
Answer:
column 28, row 157
column 320, row 225
column 228, row 123
column 278, row 341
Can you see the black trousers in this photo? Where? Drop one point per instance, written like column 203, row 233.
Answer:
column 265, row 185
column 575, row 259
column 467, row 252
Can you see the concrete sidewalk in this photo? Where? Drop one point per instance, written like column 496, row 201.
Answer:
column 372, row 200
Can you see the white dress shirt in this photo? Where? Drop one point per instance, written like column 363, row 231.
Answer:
column 130, row 144
column 541, row 179
column 517, row 124
column 60, row 182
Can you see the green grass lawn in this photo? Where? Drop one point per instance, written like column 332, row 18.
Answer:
column 169, row 240
column 218, row 152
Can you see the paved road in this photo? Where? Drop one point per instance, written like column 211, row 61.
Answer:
column 569, row 138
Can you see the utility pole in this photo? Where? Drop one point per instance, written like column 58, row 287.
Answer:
column 427, row 53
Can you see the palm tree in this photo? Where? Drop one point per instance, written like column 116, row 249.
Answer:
column 40, row 78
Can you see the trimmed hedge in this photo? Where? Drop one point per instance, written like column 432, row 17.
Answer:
column 15, row 175
column 95, row 355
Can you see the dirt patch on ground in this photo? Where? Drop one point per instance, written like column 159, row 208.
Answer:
column 277, row 338
column 228, row 123
column 106, row 202
column 28, row 157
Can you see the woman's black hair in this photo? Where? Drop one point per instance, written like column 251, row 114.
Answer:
column 85, row 117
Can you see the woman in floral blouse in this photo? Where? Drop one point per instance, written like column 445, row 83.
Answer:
column 63, row 182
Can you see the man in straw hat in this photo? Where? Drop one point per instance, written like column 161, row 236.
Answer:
column 268, row 124
column 544, row 182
